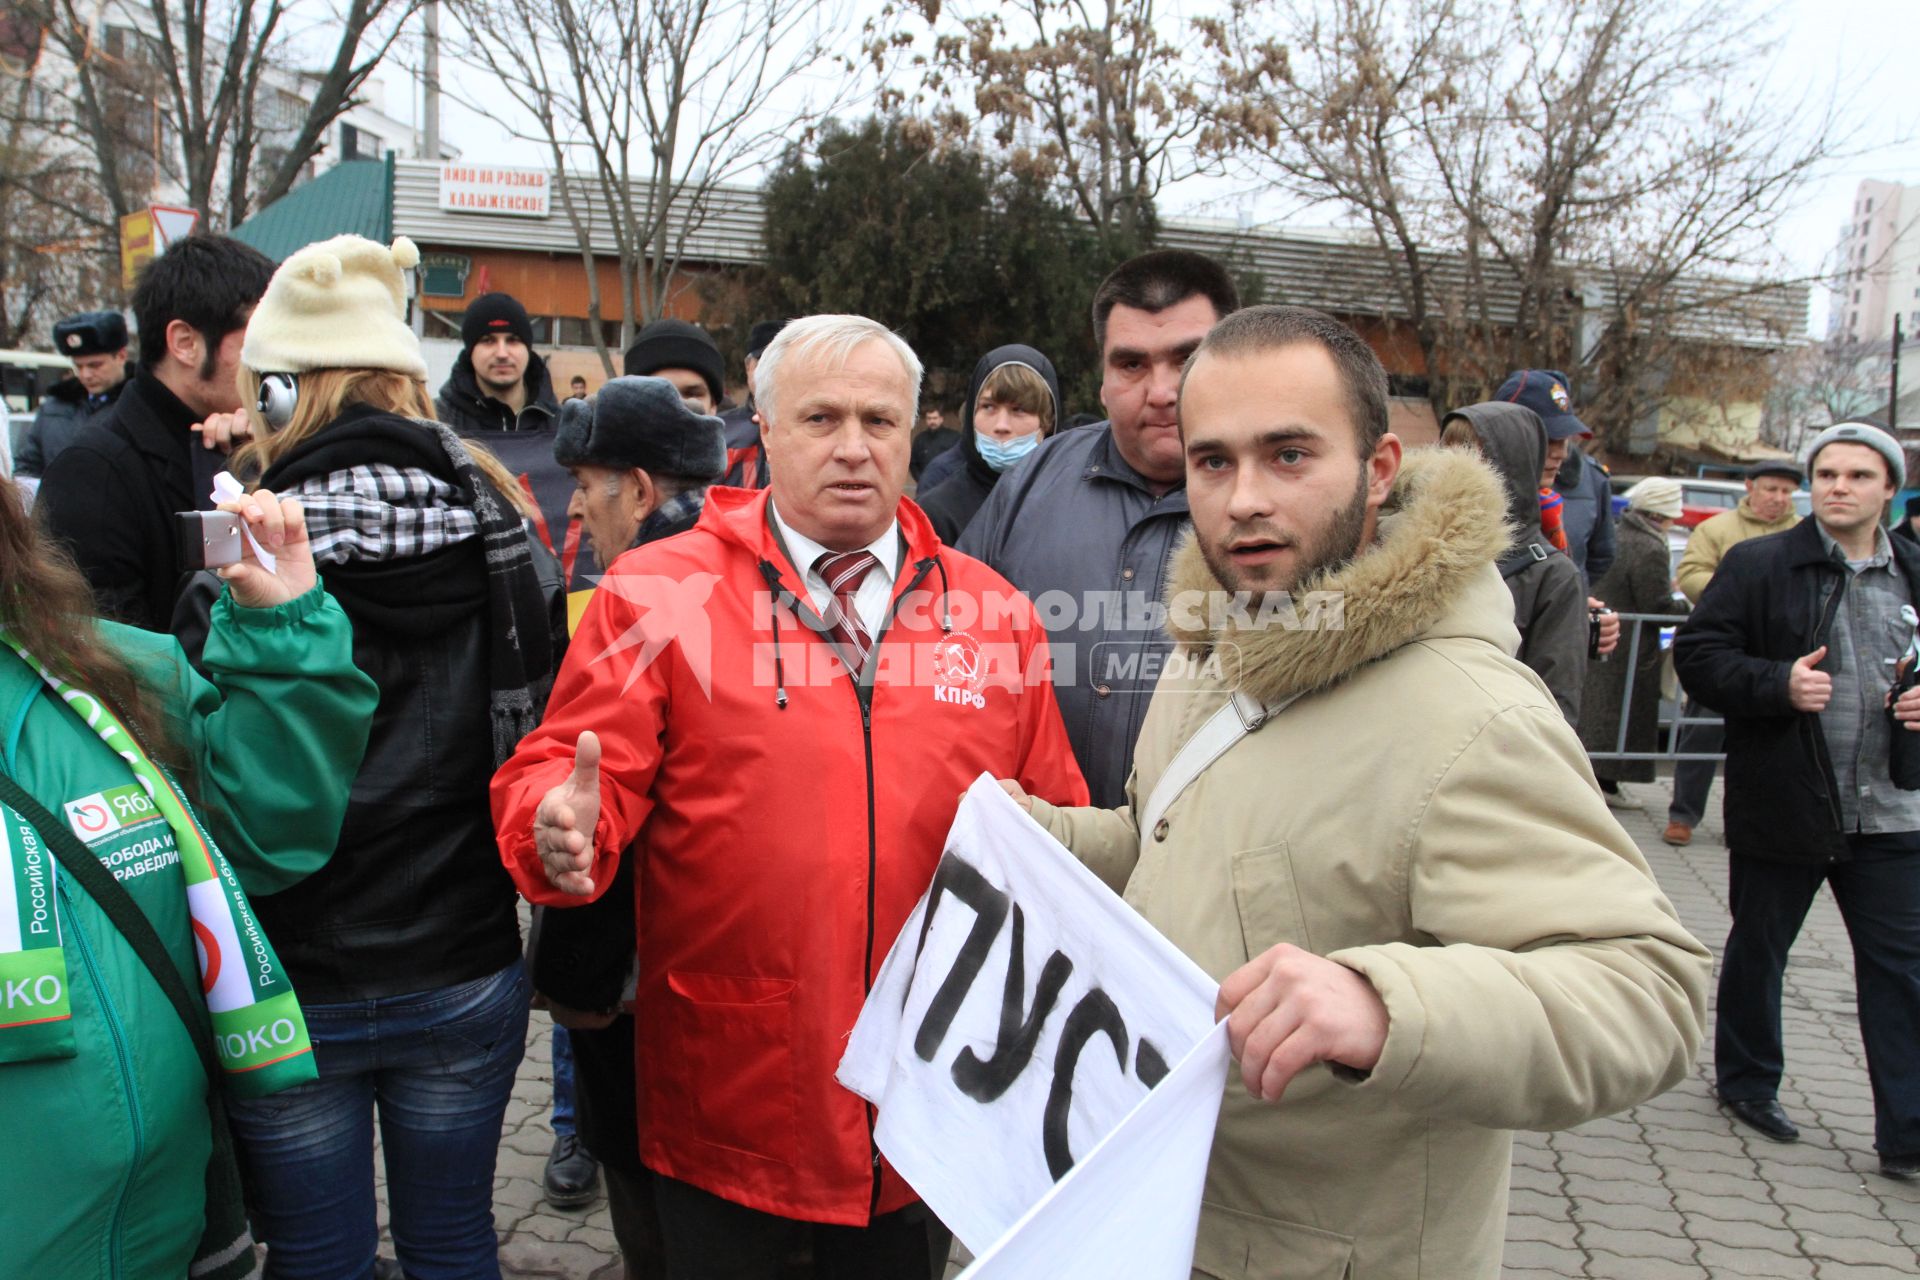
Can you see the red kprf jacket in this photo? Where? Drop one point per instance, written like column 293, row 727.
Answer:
column 787, row 821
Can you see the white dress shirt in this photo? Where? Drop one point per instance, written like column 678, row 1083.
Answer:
column 876, row 589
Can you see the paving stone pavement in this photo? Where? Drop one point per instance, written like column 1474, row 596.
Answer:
column 1671, row 1190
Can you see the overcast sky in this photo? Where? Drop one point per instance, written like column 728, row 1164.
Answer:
column 1871, row 46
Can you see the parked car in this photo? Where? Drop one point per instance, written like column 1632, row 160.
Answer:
column 1701, row 499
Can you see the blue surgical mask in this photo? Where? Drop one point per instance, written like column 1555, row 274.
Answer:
column 1001, row 456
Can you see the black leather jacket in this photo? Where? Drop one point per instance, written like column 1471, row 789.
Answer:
column 414, row 897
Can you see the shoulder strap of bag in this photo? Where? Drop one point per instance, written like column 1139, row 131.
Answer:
column 1240, row 716
column 111, row 897
column 226, row 1250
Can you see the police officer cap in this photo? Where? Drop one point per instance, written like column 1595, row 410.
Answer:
column 91, row 333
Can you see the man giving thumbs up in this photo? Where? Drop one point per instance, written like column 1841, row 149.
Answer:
column 1795, row 640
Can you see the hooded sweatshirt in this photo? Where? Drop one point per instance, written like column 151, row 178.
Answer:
column 1549, row 598
column 951, row 504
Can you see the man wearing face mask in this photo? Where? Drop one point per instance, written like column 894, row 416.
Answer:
column 1013, row 402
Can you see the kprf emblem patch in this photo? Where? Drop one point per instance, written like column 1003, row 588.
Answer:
column 959, row 671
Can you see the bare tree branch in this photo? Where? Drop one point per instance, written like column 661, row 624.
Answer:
column 647, row 109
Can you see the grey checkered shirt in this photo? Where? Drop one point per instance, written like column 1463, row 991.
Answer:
column 1866, row 639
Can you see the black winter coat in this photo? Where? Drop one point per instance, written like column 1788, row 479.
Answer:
column 1771, row 601
column 1640, row 581
column 414, row 897
column 64, row 411
column 110, row 497
column 581, row 957
column 1549, row 599
column 524, row 443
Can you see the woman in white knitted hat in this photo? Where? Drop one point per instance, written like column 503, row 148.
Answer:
column 405, row 947
column 1639, row 581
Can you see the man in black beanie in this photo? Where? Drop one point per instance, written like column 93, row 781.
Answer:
column 683, row 355
column 501, row 395
column 498, row 383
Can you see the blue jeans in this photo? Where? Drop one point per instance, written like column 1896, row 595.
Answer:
column 439, row 1067
column 561, row 1121
column 1878, row 891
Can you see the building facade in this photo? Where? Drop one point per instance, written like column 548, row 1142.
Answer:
column 1878, row 274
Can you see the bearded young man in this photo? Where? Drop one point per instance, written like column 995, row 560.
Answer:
column 1420, row 945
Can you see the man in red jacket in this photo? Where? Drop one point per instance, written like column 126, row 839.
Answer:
column 774, row 713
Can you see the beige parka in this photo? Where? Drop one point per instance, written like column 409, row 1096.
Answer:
column 1424, row 815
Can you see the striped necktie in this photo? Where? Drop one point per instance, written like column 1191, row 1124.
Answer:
column 843, row 575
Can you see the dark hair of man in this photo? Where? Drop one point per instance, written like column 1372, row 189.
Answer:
column 210, row 282
column 1268, row 328
column 1164, row 278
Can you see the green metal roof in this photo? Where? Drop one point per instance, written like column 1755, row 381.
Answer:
column 355, row 197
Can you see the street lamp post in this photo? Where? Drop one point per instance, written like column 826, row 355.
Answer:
column 1893, row 397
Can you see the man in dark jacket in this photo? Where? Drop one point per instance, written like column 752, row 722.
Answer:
column 1090, row 519
column 96, row 342
column 1549, row 600
column 934, row 459
column 501, row 395
column 1587, row 499
column 111, row 495
column 1794, row 641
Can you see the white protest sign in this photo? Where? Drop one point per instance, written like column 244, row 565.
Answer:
column 1131, row 1207
column 1014, row 1033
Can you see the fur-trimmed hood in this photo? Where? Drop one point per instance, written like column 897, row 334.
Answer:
column 1428, row 575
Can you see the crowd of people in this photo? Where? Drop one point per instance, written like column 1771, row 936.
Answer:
column 701, row 683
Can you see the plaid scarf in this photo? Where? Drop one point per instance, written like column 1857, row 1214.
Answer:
column 415, row 495
column 378, row 512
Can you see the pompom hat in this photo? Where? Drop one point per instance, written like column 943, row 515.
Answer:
column 338, row 304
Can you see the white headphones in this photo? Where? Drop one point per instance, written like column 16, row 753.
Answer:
column 279, row 393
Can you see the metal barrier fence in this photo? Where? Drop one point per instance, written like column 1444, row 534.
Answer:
column 1630, row 634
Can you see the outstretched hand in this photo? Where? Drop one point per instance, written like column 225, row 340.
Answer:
column 563, row 824
column 281, row 527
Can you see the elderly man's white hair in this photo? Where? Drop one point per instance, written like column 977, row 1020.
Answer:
column 832, row 339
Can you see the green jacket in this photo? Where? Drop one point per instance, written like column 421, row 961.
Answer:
column 105, row 1176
